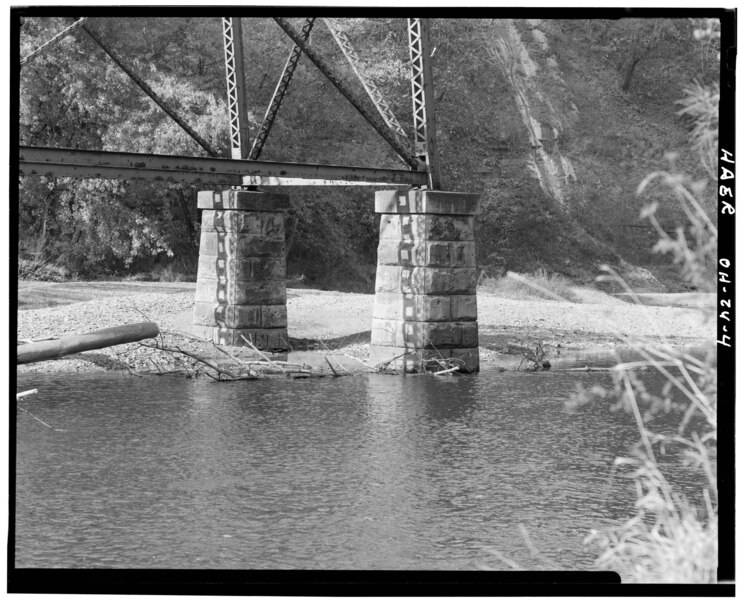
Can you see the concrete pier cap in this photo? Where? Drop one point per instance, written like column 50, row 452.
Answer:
column 241, row 282
column 425, row 303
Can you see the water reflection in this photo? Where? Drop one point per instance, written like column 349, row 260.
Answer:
column 368, row 472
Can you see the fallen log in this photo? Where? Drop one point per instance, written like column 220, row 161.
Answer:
column 72, row 344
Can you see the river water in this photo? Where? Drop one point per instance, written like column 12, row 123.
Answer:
column 364, row 472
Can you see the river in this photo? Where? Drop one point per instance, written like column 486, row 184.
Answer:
column 364, row 472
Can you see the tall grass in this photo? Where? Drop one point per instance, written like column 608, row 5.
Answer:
column 540, row 284
column 671, row 538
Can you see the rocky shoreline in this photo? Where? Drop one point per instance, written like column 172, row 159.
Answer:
column 330, row 331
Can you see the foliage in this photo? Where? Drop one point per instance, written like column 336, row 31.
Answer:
column 36, row 270
column 73, row 97
column 315, row 218
column 697, row 257
column 701, row 105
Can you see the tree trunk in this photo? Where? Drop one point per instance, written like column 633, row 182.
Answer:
column 71, row 344
column 628, row 72
column 187, row 218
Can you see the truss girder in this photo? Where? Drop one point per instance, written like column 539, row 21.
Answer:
column 376, row 122
column 368, row 83
column 62, row 162
column 236, row 95
column 423, row 100
column 243, row 168
column 280, row 92
column 52, row 42
column 129, row 70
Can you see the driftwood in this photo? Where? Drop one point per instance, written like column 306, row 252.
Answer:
column 72, row 344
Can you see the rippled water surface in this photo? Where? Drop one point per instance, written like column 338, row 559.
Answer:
column 365, row 472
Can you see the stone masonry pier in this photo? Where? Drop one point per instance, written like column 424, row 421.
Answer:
column 425, row 305
column 241, row 283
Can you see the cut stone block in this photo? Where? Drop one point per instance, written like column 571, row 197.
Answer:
column 424, row 334
column 242, row 200
column 426, row 201
column 271, row 225
column 410, row 359
column 423, row 307
column 412, row 307
column 263, row 339
column 239, row 316
column 239, row 245
column 426, row 254
column 248, row 269
column 470, row 358
column 464, row 308
column 426, row 227
column 239, row 292
column 426, row 280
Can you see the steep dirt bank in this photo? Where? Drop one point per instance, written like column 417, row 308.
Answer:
column 339, row 323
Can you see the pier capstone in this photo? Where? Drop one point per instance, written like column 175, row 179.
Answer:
column 425, row 306
column 241, row 283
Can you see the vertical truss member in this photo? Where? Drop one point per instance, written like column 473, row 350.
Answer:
column 368, row 83
column 236, row 97
column 279, row 93
column 423, row 100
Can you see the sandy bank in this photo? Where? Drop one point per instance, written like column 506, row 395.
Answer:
column 340, row 323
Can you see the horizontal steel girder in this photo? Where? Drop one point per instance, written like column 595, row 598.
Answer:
column 59, row 162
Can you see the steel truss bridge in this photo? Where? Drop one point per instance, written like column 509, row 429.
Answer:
column 418, row 151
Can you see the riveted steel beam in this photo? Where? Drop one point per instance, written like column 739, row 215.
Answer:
column 423, row 100
column 279, row 93
column 236, row 94
column 375, row 121
column 62, row 162
column 129, row 70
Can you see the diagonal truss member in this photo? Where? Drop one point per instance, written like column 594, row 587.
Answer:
column 368, row 83
column 280, row 92
column 149, row 91
column 378, row 124
column 423, row 101
column 236, row 96
column 53, row 41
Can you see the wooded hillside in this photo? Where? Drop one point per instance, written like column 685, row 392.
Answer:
column 554, row 122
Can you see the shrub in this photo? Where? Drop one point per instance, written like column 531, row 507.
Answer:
column 38, row 270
